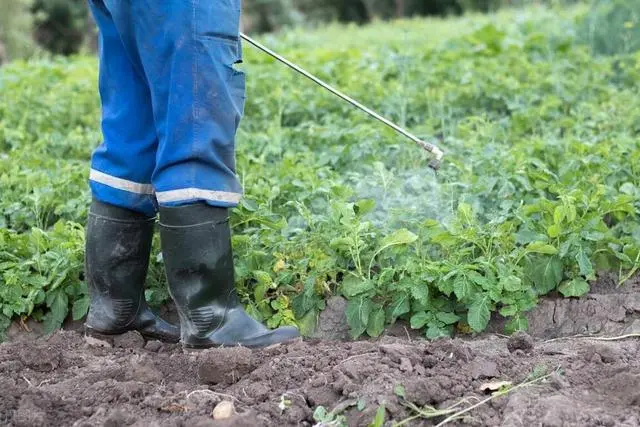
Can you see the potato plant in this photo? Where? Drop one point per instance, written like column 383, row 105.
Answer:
column 538, row 191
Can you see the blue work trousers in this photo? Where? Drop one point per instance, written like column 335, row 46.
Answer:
column 172, row 102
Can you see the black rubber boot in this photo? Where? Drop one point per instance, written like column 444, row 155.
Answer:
column 196, row 247
column 118, row 246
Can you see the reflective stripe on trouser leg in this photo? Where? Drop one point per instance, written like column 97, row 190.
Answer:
column 122, row 166
column 188, row 50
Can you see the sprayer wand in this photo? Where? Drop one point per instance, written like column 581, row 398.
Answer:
column 438, row 154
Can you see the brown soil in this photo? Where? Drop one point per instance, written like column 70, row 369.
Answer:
column 67, row 379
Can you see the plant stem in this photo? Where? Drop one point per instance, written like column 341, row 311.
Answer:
column 490, row 398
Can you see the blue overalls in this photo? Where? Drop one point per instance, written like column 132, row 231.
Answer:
column 171, row 103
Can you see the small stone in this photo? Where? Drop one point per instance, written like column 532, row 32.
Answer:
column 223, row 410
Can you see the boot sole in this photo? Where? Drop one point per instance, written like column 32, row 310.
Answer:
column 189, row 348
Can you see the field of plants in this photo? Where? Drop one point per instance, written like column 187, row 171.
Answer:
column 538, row 112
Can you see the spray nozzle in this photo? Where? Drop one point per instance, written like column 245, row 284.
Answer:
column 437, row 153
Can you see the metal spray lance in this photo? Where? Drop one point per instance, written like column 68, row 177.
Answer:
column 437, row 153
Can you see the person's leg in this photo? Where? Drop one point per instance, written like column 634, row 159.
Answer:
column 188, row 50
column 122, row 214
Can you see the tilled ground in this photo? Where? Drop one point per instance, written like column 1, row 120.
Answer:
column 68, row 380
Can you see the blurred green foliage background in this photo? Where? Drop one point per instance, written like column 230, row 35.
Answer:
column 29, row 27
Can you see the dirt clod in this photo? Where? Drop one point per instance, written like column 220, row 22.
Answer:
column 153, row 346
column 96, row 342
column 483, row 368
column 131, row 339
column 520, row 341
column 601, row 352
column 46, row 362
column 332, row 322
column 224, row 366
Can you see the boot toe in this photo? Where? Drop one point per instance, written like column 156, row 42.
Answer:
column 287, row 332
column 283, row 335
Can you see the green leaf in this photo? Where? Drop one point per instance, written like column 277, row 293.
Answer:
column 365, row 206
column 375, row 326
column 525, row 236
column 320, row 414
column 263, row 278
column 465, row 211
column 508, row 310
column 479, row 279
column 574, row 288
column 420, row 319
column 541, row 248
column 308, row 323
column 546, row 273
column 279, row 303
column 399, row 237
column 462, row 287
column 80, row 308
column 479, row 313
column 586, row 268
column 5, row 322
column 447, row 318
column 628, row 188
column 352, row 286
column 554, row 231
column 58, row 303
column 259, row 291
column 420, row 292
column 357, row 312
column 399, row 391
column 399, row 306
column 624, row 258
column 445, row 286
column 435, row 331
column 558, row 214
column 307, row 299
column 512, row 283
column 518, row 323
column 378, row 421
column 275, row 320
column 340, row 243
column 571, row 213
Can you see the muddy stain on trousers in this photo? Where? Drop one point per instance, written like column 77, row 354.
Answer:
column 171, row 103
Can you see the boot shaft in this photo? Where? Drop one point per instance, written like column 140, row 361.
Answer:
column 198, row 258
column 117, row 252
column 196, row 247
